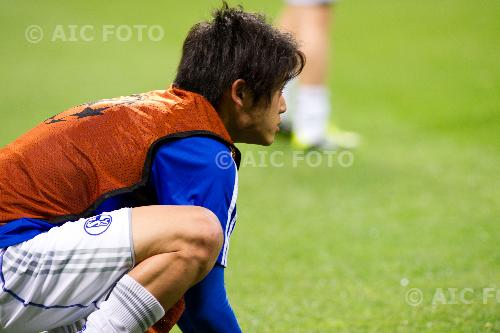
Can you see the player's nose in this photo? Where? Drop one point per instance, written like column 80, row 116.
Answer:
column 282, row 104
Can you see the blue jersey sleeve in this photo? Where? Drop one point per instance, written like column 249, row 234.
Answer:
column 198, row 171
column 207, row 307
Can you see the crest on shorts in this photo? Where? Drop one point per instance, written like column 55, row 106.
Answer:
column 97, row 225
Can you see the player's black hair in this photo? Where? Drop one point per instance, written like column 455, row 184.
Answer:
column 237, row 45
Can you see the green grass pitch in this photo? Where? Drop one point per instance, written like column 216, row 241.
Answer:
column 327, row 248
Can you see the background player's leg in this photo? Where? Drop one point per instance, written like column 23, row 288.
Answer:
column 311, row 25
column 312, row 28
column 309, row 107
column 175, row 247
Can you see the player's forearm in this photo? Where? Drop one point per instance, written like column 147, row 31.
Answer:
column 207, row 307
column 213, row 323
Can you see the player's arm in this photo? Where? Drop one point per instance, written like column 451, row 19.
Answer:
column 209, row 309
column 185, row 172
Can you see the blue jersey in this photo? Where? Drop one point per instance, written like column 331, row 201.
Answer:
column 187, row 171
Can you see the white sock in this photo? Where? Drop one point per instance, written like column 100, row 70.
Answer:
column 130, row 308
column 310, row 122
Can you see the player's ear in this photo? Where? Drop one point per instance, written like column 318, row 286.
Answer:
column 240, row 94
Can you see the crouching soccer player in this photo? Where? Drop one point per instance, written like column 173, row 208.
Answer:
column 75, row 256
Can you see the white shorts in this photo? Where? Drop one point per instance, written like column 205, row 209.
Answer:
column 309, row 2
column 61, row 276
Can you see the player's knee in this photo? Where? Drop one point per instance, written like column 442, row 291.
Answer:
column 203, row 240
column 195, row 231
column 200, row 242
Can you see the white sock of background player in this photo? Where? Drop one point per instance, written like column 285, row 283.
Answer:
column 310, row 121
column 308, row 111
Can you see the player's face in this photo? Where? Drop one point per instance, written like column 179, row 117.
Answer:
column 266, row 119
